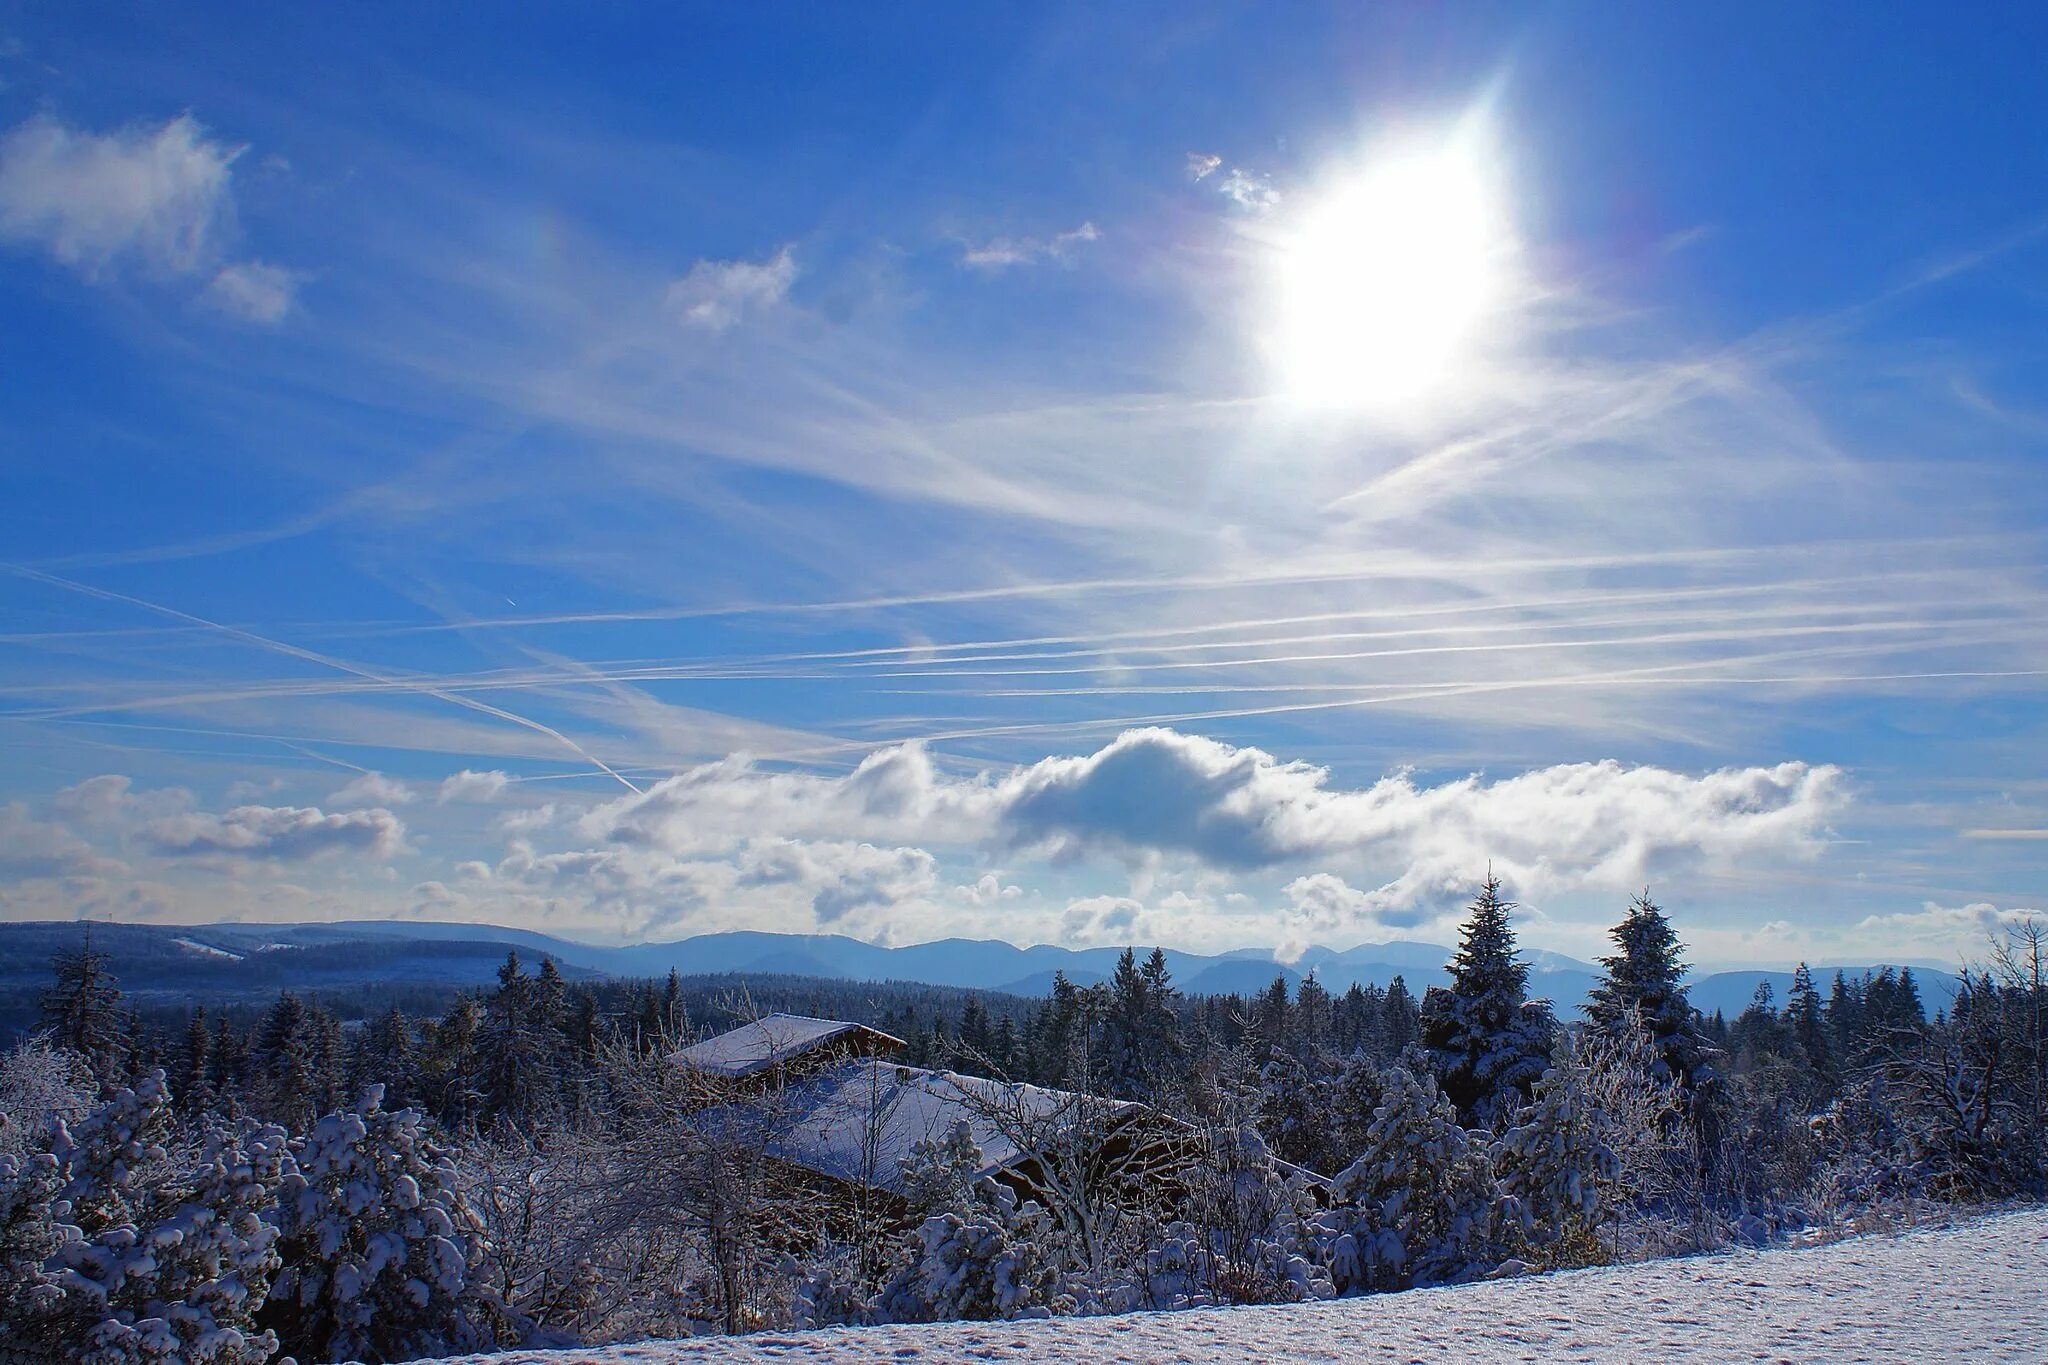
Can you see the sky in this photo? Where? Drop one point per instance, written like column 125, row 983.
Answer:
column 1209, row 475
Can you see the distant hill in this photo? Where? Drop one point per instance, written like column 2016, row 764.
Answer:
column 251, row 961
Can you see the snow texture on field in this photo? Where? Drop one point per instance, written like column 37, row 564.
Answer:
column 1976, row 1291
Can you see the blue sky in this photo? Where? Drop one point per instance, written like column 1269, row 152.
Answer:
column 1214, row 476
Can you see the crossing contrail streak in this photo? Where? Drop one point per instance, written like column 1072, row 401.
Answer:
column 309, row 656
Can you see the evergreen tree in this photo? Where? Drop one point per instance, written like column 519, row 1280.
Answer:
column 1808, row 1018
column 286, row 1061
column 194, row 1089
column 82, row 1011
column 515, row 1049
column 1400, row 1020
column 383, row 1257
column 1641, row 990
column 1418, row 1205
column 1487, row 1041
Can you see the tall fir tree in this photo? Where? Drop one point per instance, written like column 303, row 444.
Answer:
column 82, row 1011
column 1487, row 1041
column 1643, row 989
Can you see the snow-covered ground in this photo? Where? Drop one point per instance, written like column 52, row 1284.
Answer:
column 1975, row 1291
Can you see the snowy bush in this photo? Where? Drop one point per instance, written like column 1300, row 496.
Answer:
column 1418, row 1206
column 1556, row 1168
column 382, row 1254
column 987, row 1261
column 40, row 1082
column 144, row 1256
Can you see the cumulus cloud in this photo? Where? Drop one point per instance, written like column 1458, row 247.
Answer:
column 717, row 294
column 471, row 785
column 1964, row 930
column 155, row 197
column 895, row 795
column 281, row 833
column 152, row 198
column 372, row 789
column 1000, row 253
column 1202, row 165
column 839, row 877
column 39, row 848
column 1098, row 920
column 253, row 291
column 1158, row 790
column 1158, row 794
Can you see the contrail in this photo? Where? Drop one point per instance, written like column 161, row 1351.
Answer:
column 322, row 660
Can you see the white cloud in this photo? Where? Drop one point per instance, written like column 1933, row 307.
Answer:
column 372, row 789
column 1251, row 190
column 470, row 785
column 840, row 878
column 1156, row 797
column 717, row 294
column 155, row 197
column 895, row 795
column 1001, row 253
column 1202, row 165
column 253, row 291
column 282, row 833
column 1964, row 931
column 1158, row 790
column 38, row 848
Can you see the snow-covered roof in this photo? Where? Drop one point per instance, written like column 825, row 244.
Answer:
column 824, row 1123
column 768, row 1041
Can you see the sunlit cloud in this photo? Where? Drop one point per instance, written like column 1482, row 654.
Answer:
column 715, row 295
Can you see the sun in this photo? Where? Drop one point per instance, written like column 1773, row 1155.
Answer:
column 1383, row 279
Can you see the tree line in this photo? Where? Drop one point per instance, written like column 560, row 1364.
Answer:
column 528, row 1165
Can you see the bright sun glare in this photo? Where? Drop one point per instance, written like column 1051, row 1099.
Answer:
column 1385, row 278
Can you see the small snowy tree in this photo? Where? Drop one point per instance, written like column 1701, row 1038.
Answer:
column 30, row 1295
column 148, row 1256
column 989, row 1260
column 1556, row 1168
column 1418, row 1206
column 39, row 1082
column 382, row 1254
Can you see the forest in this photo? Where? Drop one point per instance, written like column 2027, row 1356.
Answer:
column 529, row 1166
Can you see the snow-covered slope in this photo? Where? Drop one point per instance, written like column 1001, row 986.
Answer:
column 1977, row 1291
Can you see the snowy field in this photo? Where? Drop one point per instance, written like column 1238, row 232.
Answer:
column 1969, row 1292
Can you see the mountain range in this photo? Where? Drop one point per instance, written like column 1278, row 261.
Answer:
column 234, row 961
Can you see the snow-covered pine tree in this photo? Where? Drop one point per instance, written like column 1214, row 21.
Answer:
column 31, row 1298
column 1642, row 991
column 992, row 1259
column 1486, row 1039
column 382, row 1254
column 161, row 1259
column 1419, row 1205
column 940, row 1173
column 1556, row 1168
column 1400, row 1020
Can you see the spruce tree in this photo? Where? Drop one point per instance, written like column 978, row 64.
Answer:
column 82, row 1011
column 1400, row 1020
column 1642, row 990
column 1487, row 1041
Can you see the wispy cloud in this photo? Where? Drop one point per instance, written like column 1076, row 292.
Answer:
column 1002, row 253
column 154, row 197
column 715, row 295
column 253, row 291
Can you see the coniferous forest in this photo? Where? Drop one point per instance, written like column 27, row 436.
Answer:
column 530, row 1164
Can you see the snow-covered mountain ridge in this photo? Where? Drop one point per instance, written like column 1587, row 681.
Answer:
column 1970, row 1291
